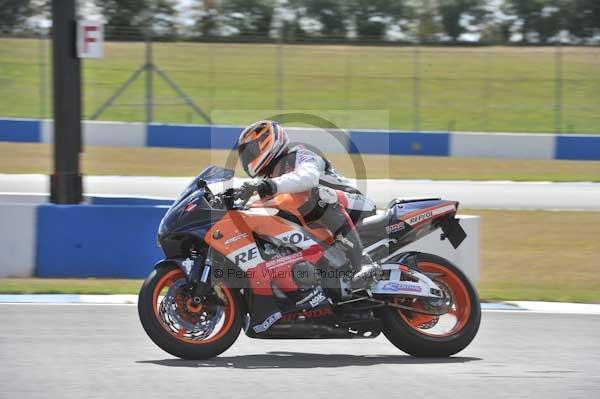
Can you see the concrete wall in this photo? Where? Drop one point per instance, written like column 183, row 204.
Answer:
column 110, row 134
column 467, row 256
column 502, row 145
column 17, row 239
column 455, row 144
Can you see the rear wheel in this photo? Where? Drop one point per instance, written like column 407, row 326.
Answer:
column 426, row 335
column 183, row 328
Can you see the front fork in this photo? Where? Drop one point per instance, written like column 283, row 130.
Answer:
column 197, row 269
column 200, row 278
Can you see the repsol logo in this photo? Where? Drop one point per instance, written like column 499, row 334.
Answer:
column 420, row 218
column 296, row 238
column 246, row 256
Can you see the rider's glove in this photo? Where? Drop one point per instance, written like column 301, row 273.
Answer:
column 247, row 190
column 266, row 187
column 263, row 187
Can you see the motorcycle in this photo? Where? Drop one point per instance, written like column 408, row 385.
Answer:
column 233, row 265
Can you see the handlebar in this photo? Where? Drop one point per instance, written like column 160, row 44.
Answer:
column 229, row 196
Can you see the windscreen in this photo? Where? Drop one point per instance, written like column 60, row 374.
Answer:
column 215, row 174
column 212, row 174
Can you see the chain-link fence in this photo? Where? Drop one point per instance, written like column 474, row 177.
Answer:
column 507, row 89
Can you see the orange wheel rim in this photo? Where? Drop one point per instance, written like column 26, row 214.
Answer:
column 228, row 316
column 460, row 310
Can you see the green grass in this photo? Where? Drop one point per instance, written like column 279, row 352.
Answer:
column 68, row 286
column 464, row 89
column 540, row 255
column 524, row 257
column 37, row 158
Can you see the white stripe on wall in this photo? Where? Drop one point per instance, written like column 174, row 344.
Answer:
column 110, row 134
column 335, row 141
column 467, row 257
column 17, row 240
column 502, row 145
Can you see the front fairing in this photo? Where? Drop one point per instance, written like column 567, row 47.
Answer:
column 191, row 215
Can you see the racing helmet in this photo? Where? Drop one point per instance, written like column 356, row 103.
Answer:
column 259, row 144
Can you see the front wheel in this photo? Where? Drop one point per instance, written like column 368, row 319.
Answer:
column 426, row 335
column 183, row 328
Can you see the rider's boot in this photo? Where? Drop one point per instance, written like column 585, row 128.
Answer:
column 365, row 271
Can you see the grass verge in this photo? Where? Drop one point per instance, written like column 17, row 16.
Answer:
column 37, row 158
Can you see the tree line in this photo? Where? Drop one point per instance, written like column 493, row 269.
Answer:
column 486, row 21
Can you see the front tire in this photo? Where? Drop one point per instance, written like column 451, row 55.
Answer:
column 413, row 332
column 181, row 328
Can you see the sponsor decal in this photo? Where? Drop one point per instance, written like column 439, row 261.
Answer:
column 305, row 156
column 190, row 207
column 295, row 238
column 269, row 321
column 398, row 286
column 392, row 228
column 284, row 260
column 434, row 212
column 317, row 300
column 419, row 218
column 309, row 296
column 309, row 314
column 246, row 256
column 235, row 238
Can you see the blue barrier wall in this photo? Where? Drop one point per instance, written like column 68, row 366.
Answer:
column 99, row 240
column 399, row 143
column 192, row 136
column 20, row 130
column 577, row 147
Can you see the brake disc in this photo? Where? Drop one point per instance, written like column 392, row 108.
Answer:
column 174, row 313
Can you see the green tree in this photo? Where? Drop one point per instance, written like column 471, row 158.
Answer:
column 583, row 18
column 248, row 17
column 162, row 19
column 541, row 17
column 207, row 23
column 13, row 14
column 134, row 19
column 373, row 17
column 452, row 12
column 426, row 18
column 125, row 19
column 332, row 14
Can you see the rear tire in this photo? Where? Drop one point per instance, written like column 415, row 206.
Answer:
column 181, row 346
column 406, row 337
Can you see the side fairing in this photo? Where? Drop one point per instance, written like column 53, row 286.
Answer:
column 233, row 236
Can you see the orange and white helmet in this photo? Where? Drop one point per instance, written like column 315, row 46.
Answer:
column 259, row 144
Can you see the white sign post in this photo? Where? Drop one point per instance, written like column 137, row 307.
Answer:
column 90, row 39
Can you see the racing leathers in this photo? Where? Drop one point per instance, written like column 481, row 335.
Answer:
column 302, row 170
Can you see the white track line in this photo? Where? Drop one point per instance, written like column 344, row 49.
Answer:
column 110, row 300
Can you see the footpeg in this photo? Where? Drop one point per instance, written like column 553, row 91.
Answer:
column 367, row 275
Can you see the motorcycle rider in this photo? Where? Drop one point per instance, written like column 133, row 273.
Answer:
column 264, row 152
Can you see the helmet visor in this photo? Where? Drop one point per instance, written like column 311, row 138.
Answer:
column 248, row 153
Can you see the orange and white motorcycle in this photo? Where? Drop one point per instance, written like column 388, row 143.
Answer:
column 259, row 267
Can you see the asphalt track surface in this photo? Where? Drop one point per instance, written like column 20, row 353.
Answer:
column 471, row 194
column 101, row 351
